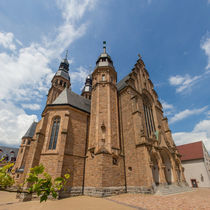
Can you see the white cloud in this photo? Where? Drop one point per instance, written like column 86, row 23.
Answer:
column 183, row 83
column 166, row 105
column 208, row 114
column 31, row 106
column 186, row 113
column 200, row 132
column 168, row 108
column 14, row 123
column 73, row 10
column 7, row 40
column 79, row 76
column 205, row 45
column 25, row 73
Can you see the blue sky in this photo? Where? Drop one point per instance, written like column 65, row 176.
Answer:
column 173, row 38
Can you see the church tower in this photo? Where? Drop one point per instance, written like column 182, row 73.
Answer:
column 104, row 165
column 60, row 81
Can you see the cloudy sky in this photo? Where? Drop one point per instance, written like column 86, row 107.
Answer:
column 173, row 38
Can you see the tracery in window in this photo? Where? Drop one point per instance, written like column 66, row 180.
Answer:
column 149, row 120
column 54, row 133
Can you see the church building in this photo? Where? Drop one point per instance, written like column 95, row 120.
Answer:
column 113, row 138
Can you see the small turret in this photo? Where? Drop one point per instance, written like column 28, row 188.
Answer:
column 86, row 92
column 60, row 81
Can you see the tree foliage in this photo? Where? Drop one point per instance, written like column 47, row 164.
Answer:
column 40, row 182
column 6, row 180
column 43, row 185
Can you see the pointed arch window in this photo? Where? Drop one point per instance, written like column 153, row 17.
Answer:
column 149, row 119
column 54, row 133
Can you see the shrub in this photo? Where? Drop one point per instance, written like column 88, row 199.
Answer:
column 6, row 180
column 43, row 185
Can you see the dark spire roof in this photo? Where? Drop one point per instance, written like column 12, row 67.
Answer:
column 63, row 70
column 88, row 84
column 30, row 132
column 67, row 97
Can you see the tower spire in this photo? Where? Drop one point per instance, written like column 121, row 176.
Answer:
column 104, row 46
column 66, row 54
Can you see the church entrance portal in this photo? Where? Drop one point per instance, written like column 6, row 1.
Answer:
column 167, row 169
column 155, row 170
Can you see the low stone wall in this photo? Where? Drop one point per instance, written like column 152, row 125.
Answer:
column 137, row 189
column 104, row 191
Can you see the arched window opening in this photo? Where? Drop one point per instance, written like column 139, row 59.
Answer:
column 61, row 82
column 54, row 133
column 103, row 77
column 149, row 120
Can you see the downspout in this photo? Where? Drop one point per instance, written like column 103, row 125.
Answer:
column 86, row 145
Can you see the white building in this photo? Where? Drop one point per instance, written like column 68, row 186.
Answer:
column 196, row 162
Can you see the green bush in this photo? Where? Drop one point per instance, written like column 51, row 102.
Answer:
column 43, row 185
column 6, row 180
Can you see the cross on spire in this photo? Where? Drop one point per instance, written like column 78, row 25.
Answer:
column 104, row 46
column 66, row 54
column 139, row 56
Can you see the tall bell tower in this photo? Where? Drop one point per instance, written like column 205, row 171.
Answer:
column 60, row 81
column 104, row 165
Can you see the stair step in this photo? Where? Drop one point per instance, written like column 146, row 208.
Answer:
column 172, row 189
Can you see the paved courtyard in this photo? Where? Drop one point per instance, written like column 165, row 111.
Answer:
column 196, row 200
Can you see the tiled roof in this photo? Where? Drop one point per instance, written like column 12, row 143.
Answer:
column 122, row 83
column 30, row 131
column 63, row 74
column 71, row 98
column 191, row 151
column 7, row 151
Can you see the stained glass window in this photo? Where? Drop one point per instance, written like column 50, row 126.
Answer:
column 54, row 133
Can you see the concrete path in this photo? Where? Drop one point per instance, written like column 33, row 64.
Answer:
column 9, row 202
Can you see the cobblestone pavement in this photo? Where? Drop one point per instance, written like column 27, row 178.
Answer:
column 195, row 200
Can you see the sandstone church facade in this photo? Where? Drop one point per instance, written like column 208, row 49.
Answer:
column 112, row 138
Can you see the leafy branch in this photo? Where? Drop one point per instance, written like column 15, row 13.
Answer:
column 43, row 185
column 6, row 180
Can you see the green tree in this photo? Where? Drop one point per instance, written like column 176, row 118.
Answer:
column 6, row 180
column 43, row 185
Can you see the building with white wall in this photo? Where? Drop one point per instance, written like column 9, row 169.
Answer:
column 196, row 162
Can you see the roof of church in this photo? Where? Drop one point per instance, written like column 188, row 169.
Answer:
column 122, row 83
column 69, row 97
column 191, row 151
column 63, row 74
column 30, row 131
column 7, row 150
